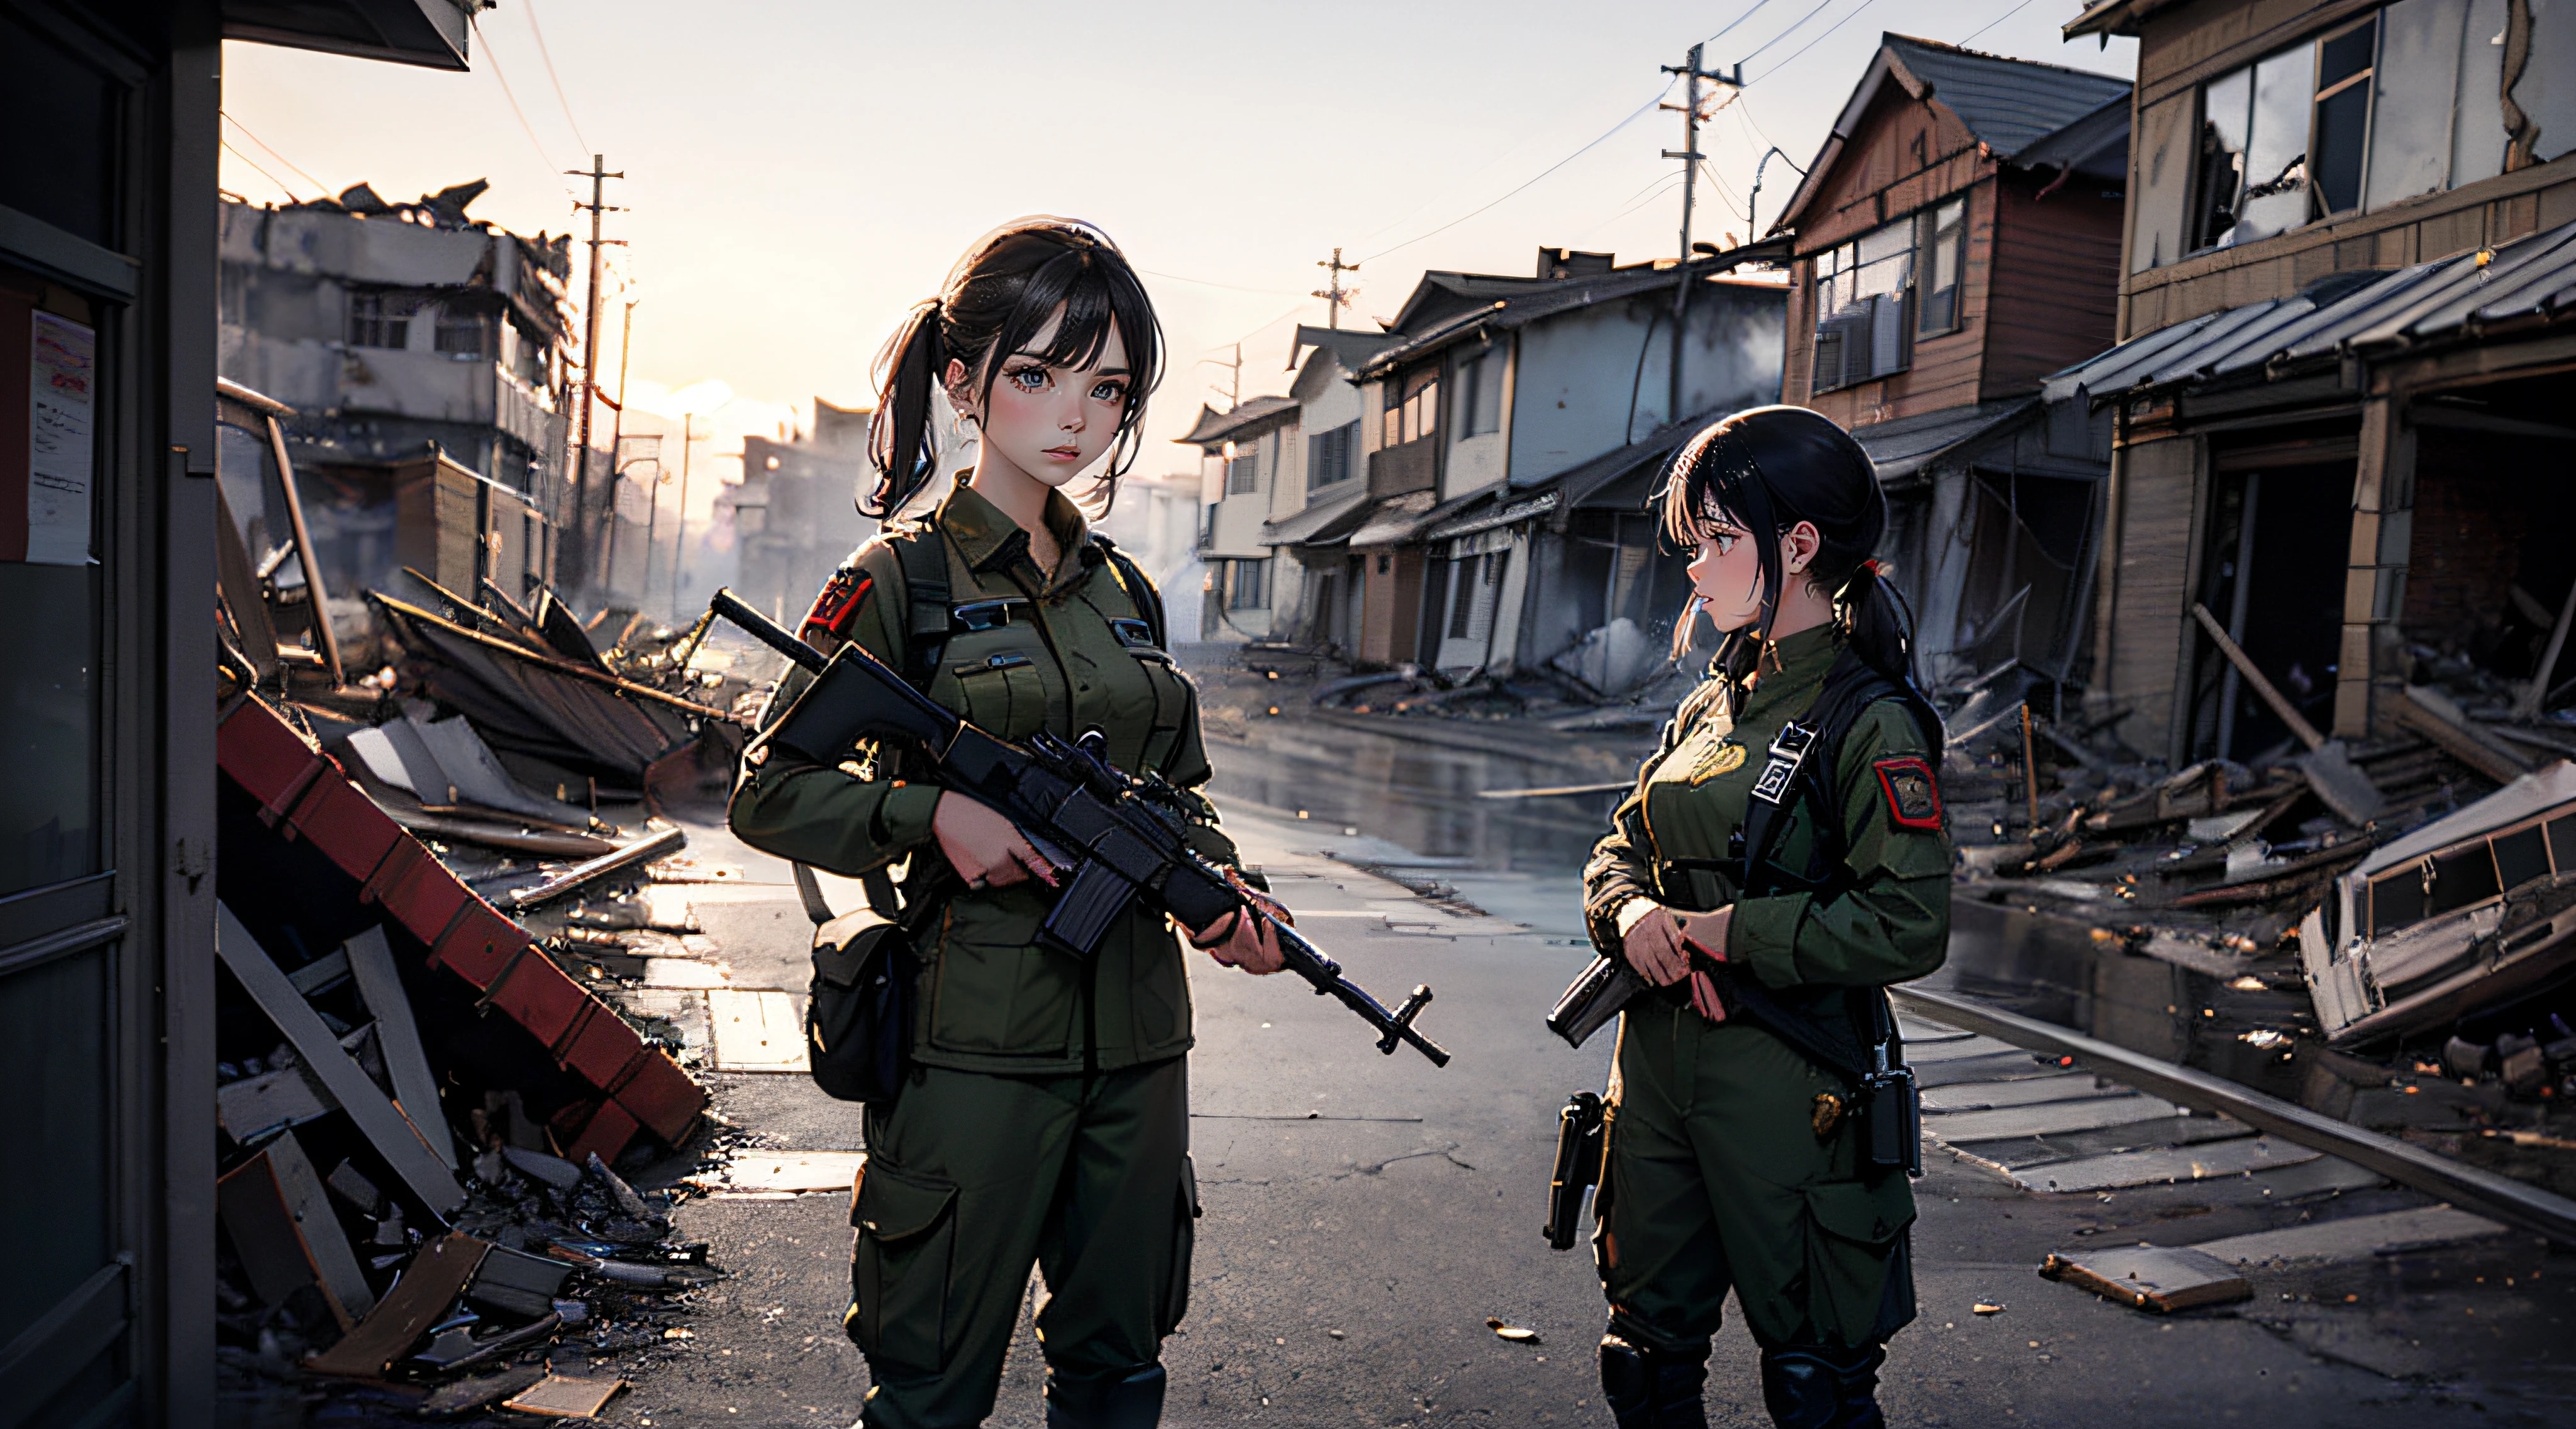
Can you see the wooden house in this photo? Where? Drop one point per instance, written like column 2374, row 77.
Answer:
column 1957, row 241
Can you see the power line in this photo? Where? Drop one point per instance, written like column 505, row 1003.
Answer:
column 530, row 7
column 1999, row 19
column 274, row 154
column 1738, row 20
column 1641, row 112
column 1818, row 40
column 1205, row 283
column 1821, row 6
column 255, row 168
column 494, row 60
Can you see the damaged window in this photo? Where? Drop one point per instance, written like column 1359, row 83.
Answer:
column 2342, row 125
column 2254, row 149
column 1942, row 238
column 381, row 319
column 2545, row 91
column 2470, row 874
column 1864, row 290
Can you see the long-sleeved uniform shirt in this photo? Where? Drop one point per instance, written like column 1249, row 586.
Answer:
column 1890, row 919
column 1071, row 652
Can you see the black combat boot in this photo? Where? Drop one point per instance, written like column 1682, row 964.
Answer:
column 1120, row 1399
column 1811, row 1387
column 1653, row 1389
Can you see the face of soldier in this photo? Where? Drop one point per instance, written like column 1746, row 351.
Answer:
column 1050, row 422
column 1726, row 569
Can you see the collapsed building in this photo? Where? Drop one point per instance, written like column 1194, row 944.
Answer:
column 795, row 513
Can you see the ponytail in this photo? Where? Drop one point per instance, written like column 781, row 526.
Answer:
column 1879, row 627
column 900, row 445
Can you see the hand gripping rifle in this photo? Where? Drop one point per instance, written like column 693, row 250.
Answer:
column 1121, row 837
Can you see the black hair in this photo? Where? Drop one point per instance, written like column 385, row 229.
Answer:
column 995, row 300
column 1766, row 469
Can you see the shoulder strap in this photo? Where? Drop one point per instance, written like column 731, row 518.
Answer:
column 1140, row 591
column 924, row 560
column 1849, row 688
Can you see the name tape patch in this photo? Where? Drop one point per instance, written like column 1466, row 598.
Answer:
column 1913, row 794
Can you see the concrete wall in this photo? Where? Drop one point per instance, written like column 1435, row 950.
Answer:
column 1597, row 378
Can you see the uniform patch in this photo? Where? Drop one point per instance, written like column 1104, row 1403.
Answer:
column 1913, row 794
column 839, row 603
column 1726, row 758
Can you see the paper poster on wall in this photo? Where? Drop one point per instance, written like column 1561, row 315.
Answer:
column 62, row 396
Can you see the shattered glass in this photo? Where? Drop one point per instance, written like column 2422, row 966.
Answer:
column 2276, row 152
column 2222, row 156
column 2417, row 94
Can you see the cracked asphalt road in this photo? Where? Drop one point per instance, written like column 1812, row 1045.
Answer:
column 1365, row 1216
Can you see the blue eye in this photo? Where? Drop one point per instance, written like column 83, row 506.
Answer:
column 1108, row 392
column 1029, row 379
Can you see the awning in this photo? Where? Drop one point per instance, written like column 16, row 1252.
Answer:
column 1900, row 448
column 1322, row 523
column 1399, row 519
column 1471, row 522
column 2528, row 283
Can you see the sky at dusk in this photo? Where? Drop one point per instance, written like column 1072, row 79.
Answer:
column 800, row 173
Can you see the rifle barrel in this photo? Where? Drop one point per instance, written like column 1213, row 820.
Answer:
column 765, row 630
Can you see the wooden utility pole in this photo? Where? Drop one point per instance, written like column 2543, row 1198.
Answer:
column 1336, row 297
column 680, row 542
column 1690, row 156
column 599, row 175
column 607, row 572
column 1234, row 380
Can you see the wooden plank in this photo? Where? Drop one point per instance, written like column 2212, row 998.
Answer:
column 2254, row 676
column 383, row 1123
column 2158, row 1278
column 429, row 1285
column 756, row 1031
column 289, row 1096
column 2164, row 1165
column 2034, row 1091
column 2417, row 712
column 2355, row 1237
column 325, row 1243
column 2047, row 1119
column 371, row 962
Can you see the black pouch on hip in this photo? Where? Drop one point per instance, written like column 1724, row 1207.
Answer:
column 858, row 1008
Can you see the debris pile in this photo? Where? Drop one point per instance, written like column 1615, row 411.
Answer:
column 441, row 1078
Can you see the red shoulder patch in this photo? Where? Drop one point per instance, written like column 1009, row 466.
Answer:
column 838, row 605
column 1913, row 792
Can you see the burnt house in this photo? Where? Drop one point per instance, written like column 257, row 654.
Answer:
column 1957, row 241
column 2340, row 397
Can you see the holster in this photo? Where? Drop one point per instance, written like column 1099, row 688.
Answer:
column 1581, row 1141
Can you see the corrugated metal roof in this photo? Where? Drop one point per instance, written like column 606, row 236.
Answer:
column 1324, row 521
column 2010, row 104
column 1561, row 295
column 2529, row 280
column 1907, row 445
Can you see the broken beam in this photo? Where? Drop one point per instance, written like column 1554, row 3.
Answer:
column 2281, row 706
column 386, row 1128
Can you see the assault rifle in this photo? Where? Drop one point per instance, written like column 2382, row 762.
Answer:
column 1121, row 837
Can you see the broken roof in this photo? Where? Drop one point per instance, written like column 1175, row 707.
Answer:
column 1900, row 448
column 1214, row 428
column 2106, row 18
column 2009, row 105
column 1541, row 299
column 2527, row 283
column 1350, row 346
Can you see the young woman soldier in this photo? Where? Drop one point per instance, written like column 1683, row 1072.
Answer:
column 1046, row 1120
column 1735, row 1159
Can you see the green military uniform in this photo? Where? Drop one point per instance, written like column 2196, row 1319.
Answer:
column 1722, row 1168
column 1047, row 1122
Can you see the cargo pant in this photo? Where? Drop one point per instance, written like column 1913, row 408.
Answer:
column 971, row 1179
column 1716, row 1177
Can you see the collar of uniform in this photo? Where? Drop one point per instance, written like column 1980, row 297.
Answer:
column 991, row 541
column 1795, row 665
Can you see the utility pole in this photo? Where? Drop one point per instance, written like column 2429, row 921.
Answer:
column 617, row 450
column 599, row 175
column 1690, row 156
column 680, row 542
column 1336, row 296
column 1234, row 383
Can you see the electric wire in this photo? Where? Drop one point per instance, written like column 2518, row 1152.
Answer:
column 291, row 194
column 1738, row 20
column 493, row 59
column 273, row 152
column 1639, row 113
column 1811, row 44
column 1999, row 19
column 529, row 7
column 1821, row 7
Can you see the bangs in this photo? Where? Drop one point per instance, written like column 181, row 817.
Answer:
column 1094, row 296
column 1706, row 484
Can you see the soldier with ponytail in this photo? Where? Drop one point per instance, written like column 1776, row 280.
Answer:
column 1043, row 1121
column 1783, row 858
